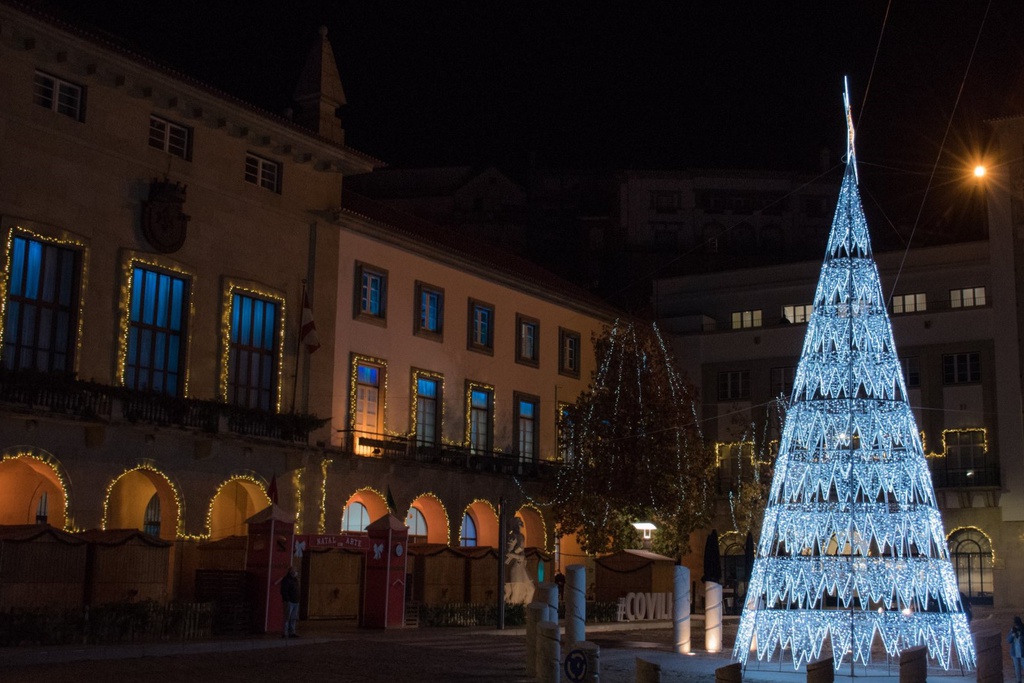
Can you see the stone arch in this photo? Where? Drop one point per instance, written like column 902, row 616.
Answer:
column 372, row 499
column 534, row 528
column 238, row 498
column 124, row 506
column 27, row 477
column 485, row 517
column 436, row 516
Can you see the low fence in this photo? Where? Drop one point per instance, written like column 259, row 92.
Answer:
column 108, row 624
column 476, row 614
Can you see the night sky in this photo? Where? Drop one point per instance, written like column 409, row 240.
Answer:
column 617, row 85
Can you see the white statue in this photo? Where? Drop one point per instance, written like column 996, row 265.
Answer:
column 518, row 588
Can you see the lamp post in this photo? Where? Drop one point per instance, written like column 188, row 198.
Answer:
column 645, row 528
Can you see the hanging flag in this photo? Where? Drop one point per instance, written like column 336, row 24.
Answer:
column 307, row 333
column 391, row 501
column 272, row 490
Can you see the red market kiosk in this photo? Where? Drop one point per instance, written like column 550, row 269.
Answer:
column 268, row 556
column 384, row 578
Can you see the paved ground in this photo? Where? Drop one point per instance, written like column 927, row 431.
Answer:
column 338, row 651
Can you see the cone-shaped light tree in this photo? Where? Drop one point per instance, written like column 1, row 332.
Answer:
column 852, row 546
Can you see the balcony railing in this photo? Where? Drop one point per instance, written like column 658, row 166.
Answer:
column 64, row 395
column 950, row 478
column 398, row 448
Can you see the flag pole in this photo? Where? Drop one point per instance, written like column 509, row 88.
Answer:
column 298, row 344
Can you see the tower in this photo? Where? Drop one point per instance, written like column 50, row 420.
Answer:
column 852, row 545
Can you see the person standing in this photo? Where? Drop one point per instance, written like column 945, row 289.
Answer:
column 1016, row 646
column 290, row 599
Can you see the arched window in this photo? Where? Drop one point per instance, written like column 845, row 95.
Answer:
column 151, row 520
column 417, row 526
column 356, row 518
column 971, row 552
column 468, row 530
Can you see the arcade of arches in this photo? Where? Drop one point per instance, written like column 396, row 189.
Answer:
column 34, row 488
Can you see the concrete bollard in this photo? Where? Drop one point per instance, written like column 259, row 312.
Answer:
column 590, row 653
column 914, row 665
column 712, row 616
column 549, row 653
column 989, row 649
column 732, row 673
column 681, row 610
column 535, row 613
column 821, row 670
column 575, row 603
column 548, row 594
column 647, row 672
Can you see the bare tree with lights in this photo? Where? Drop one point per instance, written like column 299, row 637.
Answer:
column 852, row 548
column 634, row 449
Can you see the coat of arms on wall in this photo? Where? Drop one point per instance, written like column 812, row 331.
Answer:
column 164, row 221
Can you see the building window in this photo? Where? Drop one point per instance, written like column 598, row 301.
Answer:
column 253, row 352
column 368, row 419
column 480, row 416
column 371, row 293
column 961, row 368
column 965, row 451
column 733, row 385
column 568, row 353
column 744, row 319
column 263, row 172
column 527, row 340
column 481, row 326
column 527, row 433
column 663, row 201
column 157, row 332
column 911, row 372
column 428, row 318
column 971, row 553
column 59, row 96
column 665, row 234
column 782, row 381
column 417, row 526
column 797, row 314
column 909, row 303
column 151, row 519
column 468, row 533
column 41, row 322
column 170, row 137
column 565, row 433
column 967, row 298
column 355, row 519
column 428, row 400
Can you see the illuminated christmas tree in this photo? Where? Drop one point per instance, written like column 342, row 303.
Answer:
column 852, row 544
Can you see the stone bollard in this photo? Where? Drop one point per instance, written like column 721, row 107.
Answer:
column 821, row 670
column 647, row 672
column 535, row 613
column 575, row 604
column 732, row 673
column 914, row 665
column 584, row 660
column 548, row 592
column 681, row 610
column 549, row 654
column 712, row 616
column 989, row 649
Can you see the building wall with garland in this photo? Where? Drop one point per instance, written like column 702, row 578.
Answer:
column 953, row 316
column 153, row 372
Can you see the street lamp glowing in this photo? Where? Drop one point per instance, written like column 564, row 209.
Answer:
column 979, row 171
column 645, row 527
